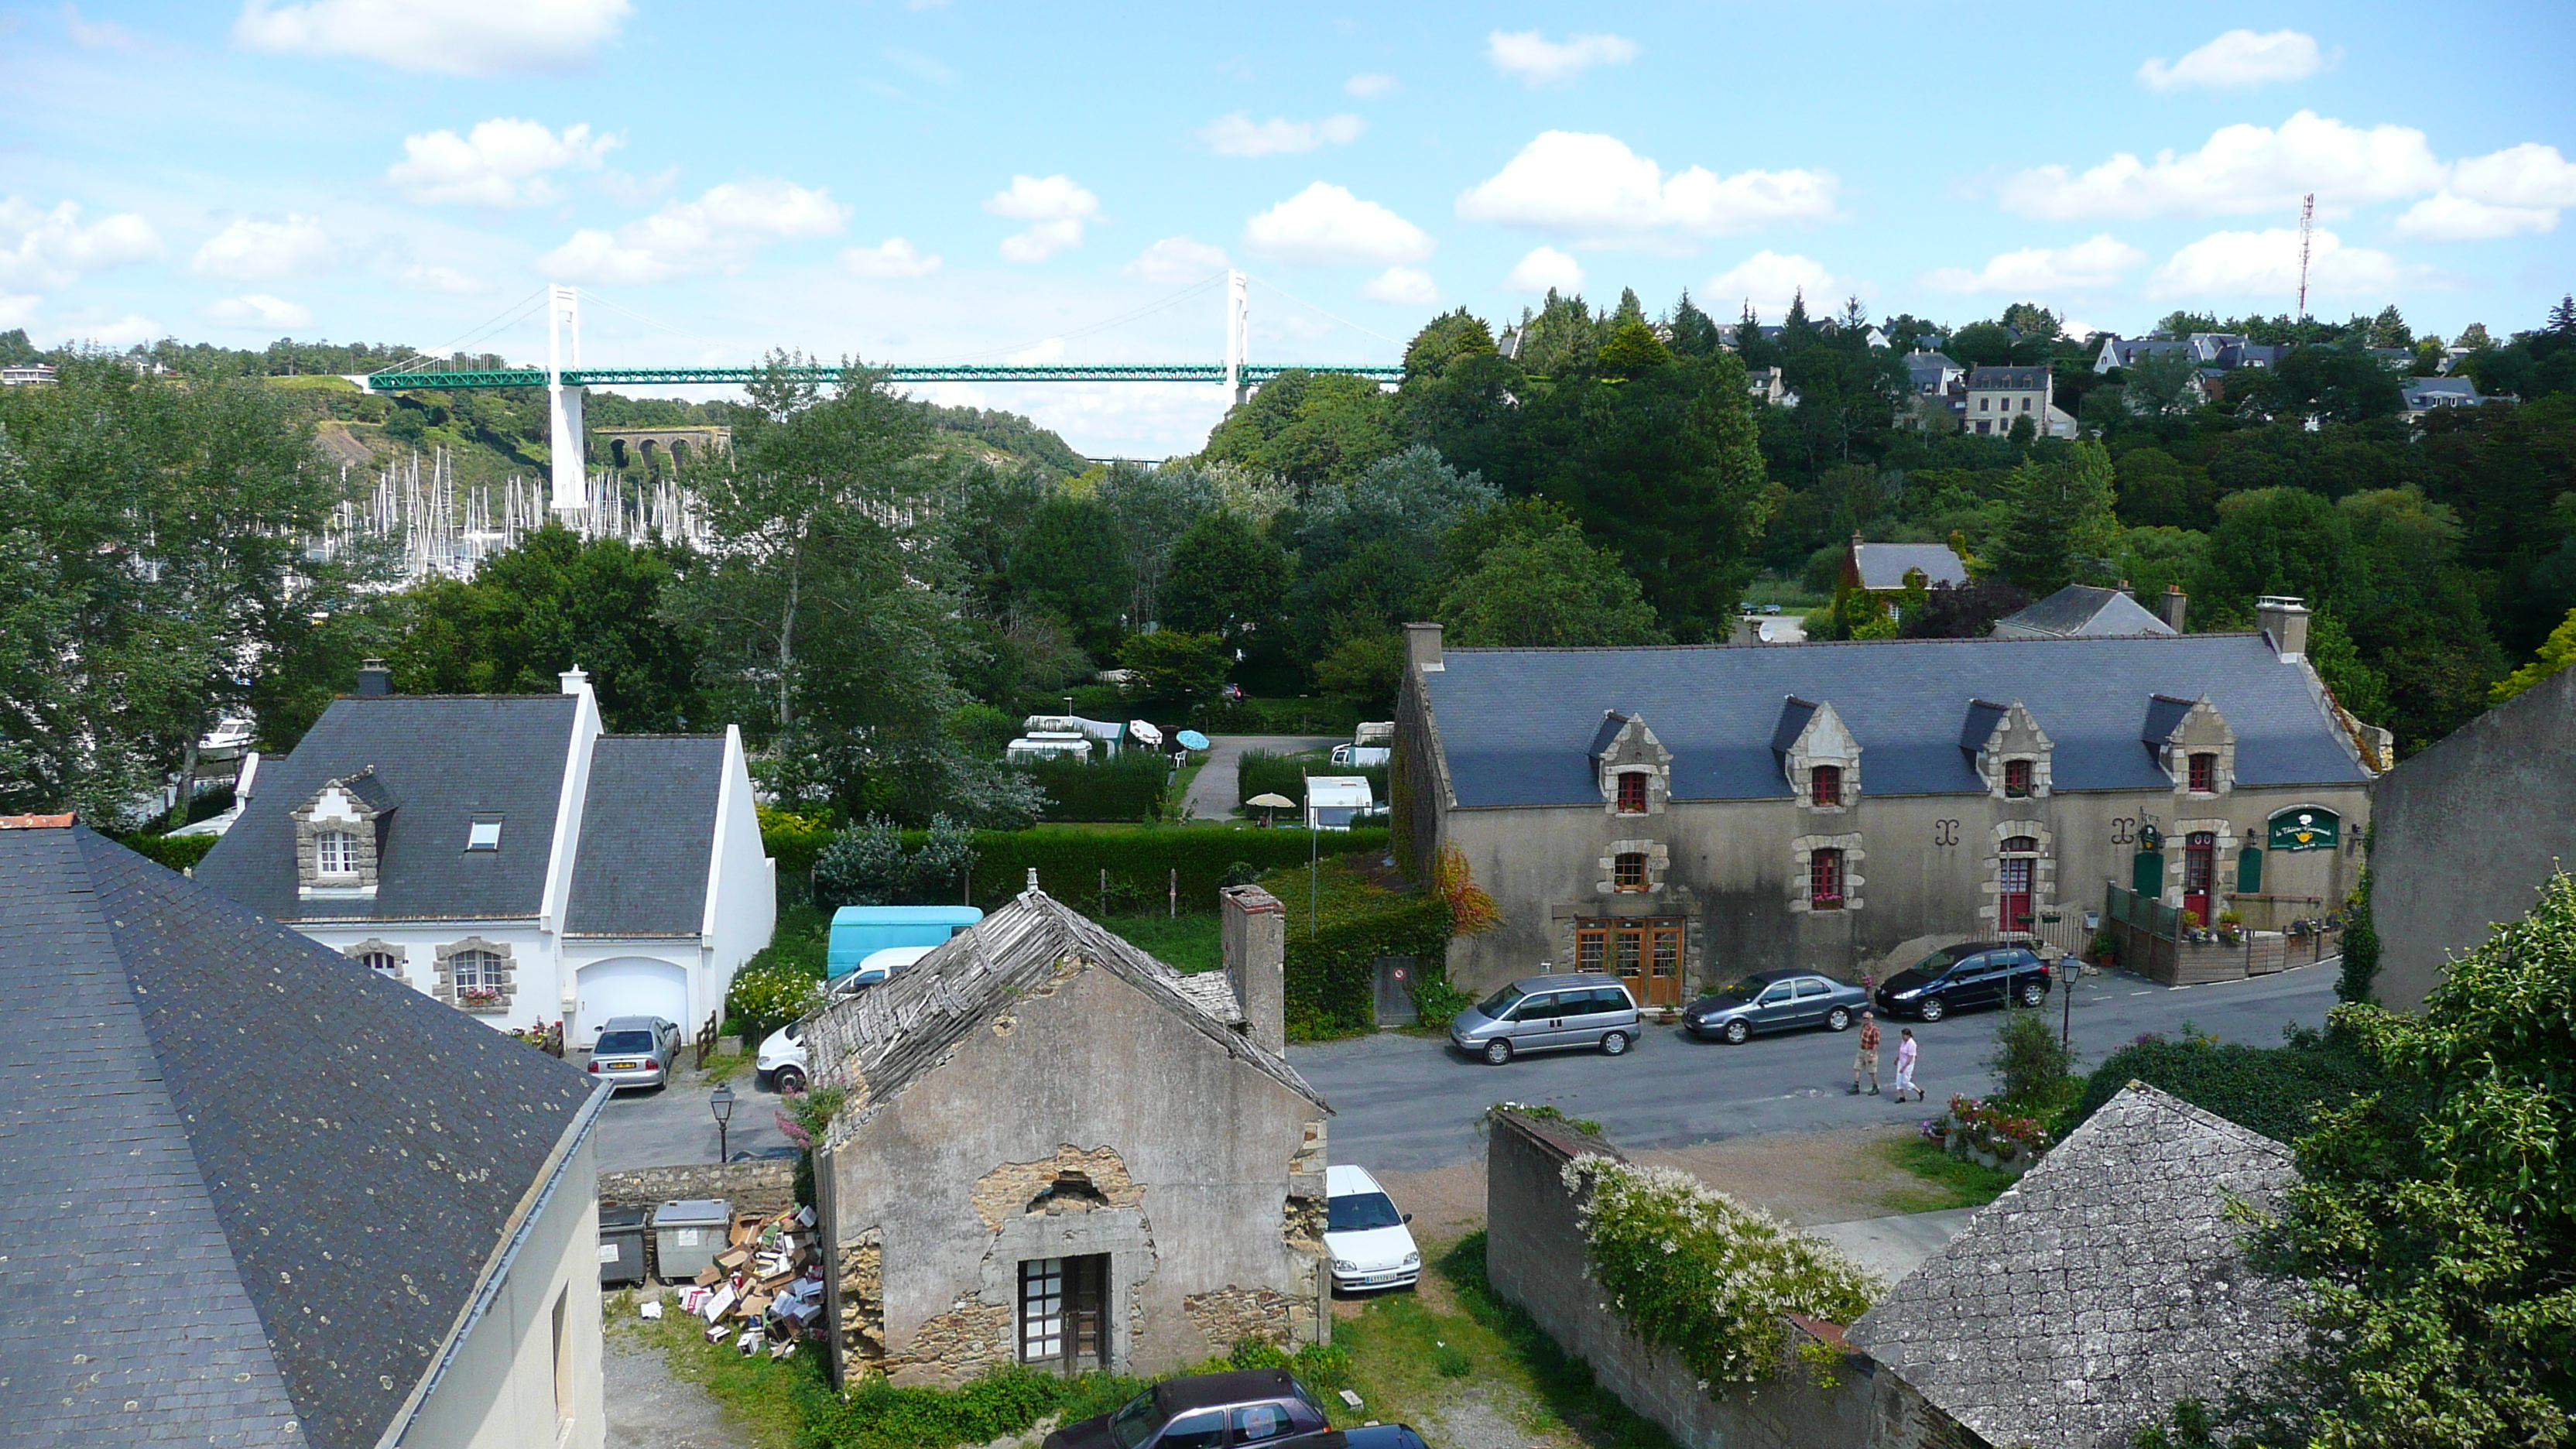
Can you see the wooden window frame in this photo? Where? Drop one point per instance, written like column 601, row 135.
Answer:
column 1825, row 786
column 1633, row 792
column 475, row 970
column 2201, row 773
column 2019, row 776
column 1825, row 879
column 342, row 844
column 1628, row 872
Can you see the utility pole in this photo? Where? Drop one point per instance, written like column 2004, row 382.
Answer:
column 2307, row 229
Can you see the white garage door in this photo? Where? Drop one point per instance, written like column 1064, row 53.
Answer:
column 630, row 986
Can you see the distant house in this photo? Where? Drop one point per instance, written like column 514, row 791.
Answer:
column 2119, row 352
column 1938, row 391
column 267, row 1197
column 1059, row 1152
column 1771, row 385
column 2106, row 1286
column 2082, row 612
column 26, row 374
column 505, row 855
column 2424, row 394
column 1998, row 396
column 1880, row 568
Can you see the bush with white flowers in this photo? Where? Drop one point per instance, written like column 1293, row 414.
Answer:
column 1704, row 1275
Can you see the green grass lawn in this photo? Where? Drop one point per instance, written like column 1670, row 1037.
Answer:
column 1947, row 1182
column 1188, row 944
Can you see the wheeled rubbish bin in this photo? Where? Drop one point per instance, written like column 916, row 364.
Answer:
column 621, row 1245
column 688, row 1235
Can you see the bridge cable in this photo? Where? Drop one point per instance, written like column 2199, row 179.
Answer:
column 515, row 312
column 1309, row 306
column 1122, row 318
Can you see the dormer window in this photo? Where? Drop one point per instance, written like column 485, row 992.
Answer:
column 1632, row 793
column 1825, row 784
column 2204, row 774
column 335, row 855
column 2017, row 779
column 483, row 835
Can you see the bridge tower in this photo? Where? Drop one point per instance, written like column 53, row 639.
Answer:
column 566, row 444
column 1238, row 333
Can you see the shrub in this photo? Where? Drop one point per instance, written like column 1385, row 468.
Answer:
column 864, row 865
column 2031, row 1060
column 794, row 841
column 1704, row 1275
column 1334, row 944
column 2277, row 1091
column 1263, row 773
column 1437, row 1002
column 1129, row 787
column 2360, row 947
column 768, row 994
column 1140, row 864
column 171, row 852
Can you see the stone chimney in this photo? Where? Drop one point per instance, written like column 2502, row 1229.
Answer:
column 374, row 679
column 1254, row 933
column 576, row 680
column 1422, row 646
column 2175, row 602
column 2285, row 623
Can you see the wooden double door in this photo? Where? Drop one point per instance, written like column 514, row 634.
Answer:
column 1645, row 953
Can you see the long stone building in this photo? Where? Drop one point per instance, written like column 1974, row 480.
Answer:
column 1681, row 815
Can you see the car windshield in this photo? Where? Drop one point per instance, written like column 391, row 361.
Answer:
column 1501, row 1001
column 1134, row 1424
column 611, row 1042
column 1359, row 1211
column 1749, row 986
column 1936, row 963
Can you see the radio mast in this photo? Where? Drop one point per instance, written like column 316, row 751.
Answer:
column 2307, row 227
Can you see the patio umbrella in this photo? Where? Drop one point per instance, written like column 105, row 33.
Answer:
column 1192, row 740
column 1272, row 801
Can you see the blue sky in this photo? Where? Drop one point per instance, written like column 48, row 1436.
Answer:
column 970, row 181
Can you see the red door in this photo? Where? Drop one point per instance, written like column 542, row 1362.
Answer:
column 2013, row 900
column 2199, row 868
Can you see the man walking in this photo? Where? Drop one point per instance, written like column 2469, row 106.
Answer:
column 1867, row 1061
column 1905, row 1054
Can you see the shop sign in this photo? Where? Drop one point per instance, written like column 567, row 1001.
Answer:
column 2306, row 830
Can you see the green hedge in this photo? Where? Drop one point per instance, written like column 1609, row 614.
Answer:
column 1281, row 717
column 1129, row 787
column 2276, row 1091
column 1262, row 772
column 1332, row 972
column 1140, row 863
column 176, row 852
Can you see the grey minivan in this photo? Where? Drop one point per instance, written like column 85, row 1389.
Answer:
column 1546, row 1013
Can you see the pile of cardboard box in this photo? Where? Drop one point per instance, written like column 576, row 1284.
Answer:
column 765, row 1290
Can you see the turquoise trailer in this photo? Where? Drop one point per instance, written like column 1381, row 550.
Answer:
column 858, row 931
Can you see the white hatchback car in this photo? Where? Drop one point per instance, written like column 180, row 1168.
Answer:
column 1364, row 1234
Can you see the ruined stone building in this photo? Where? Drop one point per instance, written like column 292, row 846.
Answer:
column 1056, row 1150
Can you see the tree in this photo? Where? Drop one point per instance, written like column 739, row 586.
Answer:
column 2034, row 322
column 1693, row 332
column 2357, row 687
column 1445, row 339
column 1550, row 589
column 1367, row 554
column 2058, row 526
column 1072, row 563
column 2556, row 653
column 1180, row 669
column 1153, row 508
column 2157, row 490
column 2474, row 336
column 1226, row 580
column 1633, row 348
column 1309, row 428
column 1967, row 611
column 1364, row 668
column 2159, row 384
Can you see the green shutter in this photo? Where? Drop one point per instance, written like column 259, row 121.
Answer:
column 2249, row 870
column 2147, row 874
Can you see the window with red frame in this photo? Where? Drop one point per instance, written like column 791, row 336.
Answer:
column 1632, row 793
column 1628, row 871
column 1825, row 880
column 1825, row 784
column 2017, row 779
column 2204, row 774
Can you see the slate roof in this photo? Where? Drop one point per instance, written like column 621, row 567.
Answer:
column 1513, row 723
column 444, row 760
column 251, row 1186
column 2103, row 1287
column 648, row 834
column 2007, row 379
column 1883, row 565
column 882, row 1040
column 2080, row 611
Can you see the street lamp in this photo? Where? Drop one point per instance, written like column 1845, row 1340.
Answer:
column 720, row 1102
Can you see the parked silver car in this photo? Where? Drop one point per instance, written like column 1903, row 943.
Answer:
column 635, row 1051
column 1548, row 1013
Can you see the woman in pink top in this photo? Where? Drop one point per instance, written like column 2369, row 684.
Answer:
column 1905, row 1054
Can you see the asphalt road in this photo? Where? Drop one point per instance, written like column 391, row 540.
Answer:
column 1212, row 792
column 674, row 1125
column 1407, row 1103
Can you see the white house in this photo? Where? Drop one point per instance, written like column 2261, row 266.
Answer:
column 1998, row 395
column 505, row 855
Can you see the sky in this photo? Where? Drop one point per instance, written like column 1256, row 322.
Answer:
column 963, row 180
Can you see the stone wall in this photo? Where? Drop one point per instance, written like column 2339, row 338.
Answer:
column 1535, row 1256
column 752, row 1187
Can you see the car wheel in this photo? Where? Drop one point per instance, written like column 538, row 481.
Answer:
column 1838, row 1018
column 1497, row 1052
column 1614, row 1044
column 1737, row 1033
column 789, row 1079
column 2032, row 993
column 1932, row 1009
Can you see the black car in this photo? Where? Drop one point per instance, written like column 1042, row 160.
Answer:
column 1774, row 1001
column 1980, row 973
column 1212, row 1411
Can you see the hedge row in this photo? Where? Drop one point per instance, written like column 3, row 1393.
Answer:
column 2276, row 1091
column 174, row 852
column 1264, row 773
column 1281, row 717
column 1331, row 983
column 1139, row 865
column 1129, row 787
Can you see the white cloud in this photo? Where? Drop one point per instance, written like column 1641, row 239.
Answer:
column 2521, row 188
column 258, row 309
column 53, row 248
column 2266, row 264
column 446, row 280
column 97, row 34
column 1543, row 268
column 1240, row 135
column 1369, row 86
column 1593, row 188
column 1771, row 281
column 1325, row 223
column 501, row 162
column 1538, row 61
column 2242, row 168
column 17, row 311
column 2448, row 216
column 893, row 257
column 458, row 37
column 2087, row 265
column 1056, row 203
column 1176, row 260
column 2238, row 60
column 1405, row 286
column 717, row 232
column 125, row 331
column 250, row 251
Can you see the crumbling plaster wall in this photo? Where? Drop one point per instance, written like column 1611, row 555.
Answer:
column 1192, row 1155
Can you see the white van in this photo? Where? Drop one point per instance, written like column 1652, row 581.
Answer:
column 1337, row 802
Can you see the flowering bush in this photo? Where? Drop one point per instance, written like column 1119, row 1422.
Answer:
column 1990, row 1129
column 1704, row 1275
column 479, row 995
